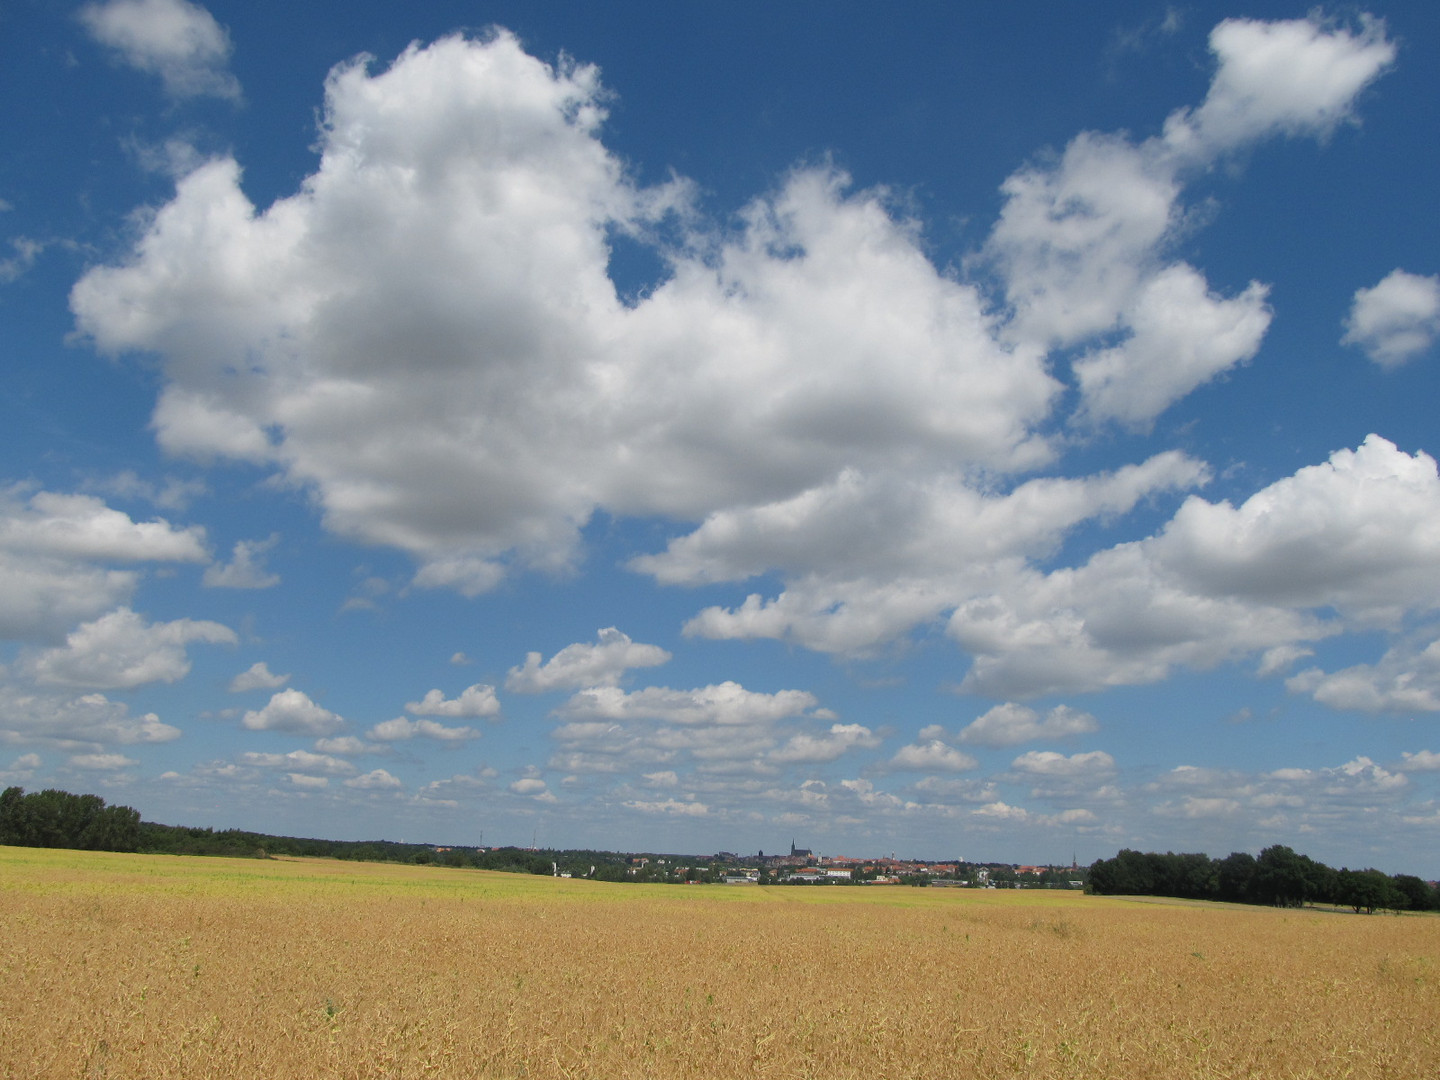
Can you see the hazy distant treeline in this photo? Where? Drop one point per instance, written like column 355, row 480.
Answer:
column 1279, row 877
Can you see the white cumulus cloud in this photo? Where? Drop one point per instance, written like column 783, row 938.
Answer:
column 257, row 676
column 375, row 780
column 1011, row 724
column 293, row 712
column 476, row 700
column 425, row 337
column 121, row 651
column 932, row 755
column 246, row 568
column 1397, row 319
column 402, row 728
column 53, row 551
column 581, row 665
column 177, row 40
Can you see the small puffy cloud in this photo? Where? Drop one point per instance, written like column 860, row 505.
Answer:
column 1281, row 657
column 1200, row 807
column 293, row 712
column 670, row 807
column 121, row 650
column 1181, row 335
column 300, row 761
column 1049, row 764
column 402, row 728
column 1296, row 77
column 171, row 494
column 246, row 568
column 21, row 770
column 375, row 780
column 528, row 785
column 308, row 783
column 1420, row 761
column 1406, row 679
column 1011, row 724
column 582, row 665
column 82, row 527
column 14, row 267
column 257, row 677
column 663, row 778
column 1360, row 778
column 725, row 704
column 102, row 762
column 347, row 744
column 831, row 745
column 50, row 545
column 89, row 721
column 179, row 41
column 932, row 756
column 1001, row 811
column 1397, row 319
column 476, row 700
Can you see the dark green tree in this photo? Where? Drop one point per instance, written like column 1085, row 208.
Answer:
column 1418, row 895
column 1235, row 877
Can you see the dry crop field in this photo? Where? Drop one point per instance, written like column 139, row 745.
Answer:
column 155, row 966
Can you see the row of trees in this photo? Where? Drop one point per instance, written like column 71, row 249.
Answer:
column 1279, row 877
column 57, row 819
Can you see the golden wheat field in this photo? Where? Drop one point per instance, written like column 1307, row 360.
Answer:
column 155, row 966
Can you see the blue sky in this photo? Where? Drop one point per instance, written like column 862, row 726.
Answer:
column 642, row 427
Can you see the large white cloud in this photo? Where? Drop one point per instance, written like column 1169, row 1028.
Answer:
column 459, row 221
column 1397, row 319
column 426, row 337
column 1353, row 542
column 121, row 650
column 177, row 40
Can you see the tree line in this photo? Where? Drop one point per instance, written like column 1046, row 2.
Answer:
column 1279, row 877
column 58, row 819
